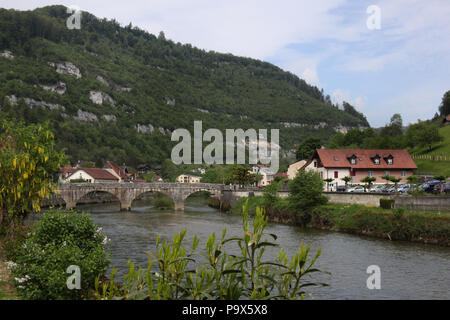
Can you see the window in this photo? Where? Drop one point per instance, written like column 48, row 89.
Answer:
column 403, row 173
column 315, row 164
column 389, row 161
column 321, row 175
column 377, row 160
column 336, row 158
column 352, row 173
column 387, row 173
column 370, row 174
column 353, row 161
column 336, row 175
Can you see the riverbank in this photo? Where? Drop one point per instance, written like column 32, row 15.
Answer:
column 390, row 224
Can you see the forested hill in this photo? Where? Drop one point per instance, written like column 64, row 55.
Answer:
column 116, row 93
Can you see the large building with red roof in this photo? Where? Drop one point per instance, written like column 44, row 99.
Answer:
column 92, row 175
column 360, row 163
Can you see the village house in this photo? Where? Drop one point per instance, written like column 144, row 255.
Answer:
column 111, row 172
column 90, row 175
column 188, row 178
column 266, row 174
column 293, row 168
column 359, row 163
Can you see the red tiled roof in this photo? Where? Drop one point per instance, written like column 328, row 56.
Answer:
column 118, row 170
column 98, row 173
column 339, row 158
column 68, row 169
column 282, row 174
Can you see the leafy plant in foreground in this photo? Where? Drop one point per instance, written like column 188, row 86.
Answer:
column 178, row 274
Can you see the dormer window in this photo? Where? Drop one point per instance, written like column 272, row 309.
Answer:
column 336, row 158
column 390, row 161
column 376, row 160
column 353, row 160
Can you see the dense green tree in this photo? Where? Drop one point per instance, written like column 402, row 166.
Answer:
column 369, row 181
column 270, row 195
column 241, row 175
column 306, row 149
column 346, row 179
column 444, row 108
column 29, row 162
column 305, row 190
column 422, row 134
column 328, row 181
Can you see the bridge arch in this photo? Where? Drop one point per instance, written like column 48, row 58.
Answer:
column 155, row 194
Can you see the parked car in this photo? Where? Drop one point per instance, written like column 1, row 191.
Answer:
column 429, row 186
column 340, row 189
column 441, row 187
column 404, row 188
column 376, row 189
column 357, row 189
column 447, row 187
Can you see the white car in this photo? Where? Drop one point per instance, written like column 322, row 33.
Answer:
column 356, row 189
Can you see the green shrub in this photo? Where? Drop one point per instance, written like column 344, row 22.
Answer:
column 399, row 212
column 163, row 202
column 387, row 203
column 306, row 190
column 57, row 241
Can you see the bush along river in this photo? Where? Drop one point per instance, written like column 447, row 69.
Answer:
column 408, row 270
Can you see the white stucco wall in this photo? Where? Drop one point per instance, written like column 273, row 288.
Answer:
column 81, row 174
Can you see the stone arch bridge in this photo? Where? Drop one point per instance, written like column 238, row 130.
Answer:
column 71, row 193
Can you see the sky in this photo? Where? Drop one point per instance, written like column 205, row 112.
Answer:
column 384, row 57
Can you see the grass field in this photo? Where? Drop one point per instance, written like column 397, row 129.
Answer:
column 436, row 167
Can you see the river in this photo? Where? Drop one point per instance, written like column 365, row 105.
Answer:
column 408, row 270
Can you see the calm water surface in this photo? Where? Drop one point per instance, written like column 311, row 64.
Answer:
column 408, row 270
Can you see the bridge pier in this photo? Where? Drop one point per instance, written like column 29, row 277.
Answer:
column 179, row 205
column 70, row 205
column 125, row 205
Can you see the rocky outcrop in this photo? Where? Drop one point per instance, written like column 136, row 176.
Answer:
column 13, row 100
column 109, row 117
column 123, row 89
column 142, row 128
column 320, row 125
column 169, row 101
column 7, row 54
column 67, row 68
column 342, row 129
column 112, row 85
column 99, row 97
column 85, row 116
column 59, row 88
column 293, row 125
column 102, row 80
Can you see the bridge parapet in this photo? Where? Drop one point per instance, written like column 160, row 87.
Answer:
column 127, row 192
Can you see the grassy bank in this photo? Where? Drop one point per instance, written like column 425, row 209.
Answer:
column 392, row 224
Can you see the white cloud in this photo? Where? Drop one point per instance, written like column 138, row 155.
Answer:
column 311, row 77
column 339, row 96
